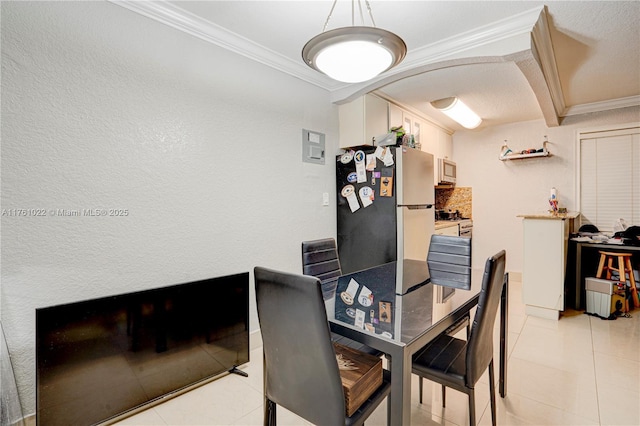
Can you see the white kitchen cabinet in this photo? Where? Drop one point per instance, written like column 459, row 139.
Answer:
column 445, row 144
column 544, row 262
column 362, row 120
column 412, row 125
column 407, row 122
column 429, row 138
column 437, row 142
column 395, row 115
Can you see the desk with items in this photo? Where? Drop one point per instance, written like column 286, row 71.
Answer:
column 583, row 261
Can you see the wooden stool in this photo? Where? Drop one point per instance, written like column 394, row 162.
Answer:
column 624, row 266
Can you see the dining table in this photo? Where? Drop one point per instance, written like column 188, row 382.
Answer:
column 366, row 309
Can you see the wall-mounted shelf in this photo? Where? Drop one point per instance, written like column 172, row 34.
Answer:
column 512, row 156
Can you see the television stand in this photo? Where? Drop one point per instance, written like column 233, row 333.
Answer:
column 236, row 370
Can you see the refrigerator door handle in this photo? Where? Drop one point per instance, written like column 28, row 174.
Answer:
column 417, row 207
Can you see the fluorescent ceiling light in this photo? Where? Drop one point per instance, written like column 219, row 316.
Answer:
column 354, row 54
column 455, row 109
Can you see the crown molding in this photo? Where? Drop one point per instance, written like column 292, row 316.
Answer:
column 187, row 22
column 526, row 31
column 510, row 30
column 630, row 101
column 503, row 30
column 487, row 43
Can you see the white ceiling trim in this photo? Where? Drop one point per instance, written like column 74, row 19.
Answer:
column 500, row 39
column 183, row 20
column 507, row 32
column 630, row 101
column 496, row 40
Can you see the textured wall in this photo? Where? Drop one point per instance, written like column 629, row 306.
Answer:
column 105, row 109
column 504, row 189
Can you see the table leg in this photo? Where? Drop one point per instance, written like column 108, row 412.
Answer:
column 400, row 397
column 578, row 298
column 504, row 333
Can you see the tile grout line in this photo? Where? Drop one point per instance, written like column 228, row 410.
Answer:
column 595, row 372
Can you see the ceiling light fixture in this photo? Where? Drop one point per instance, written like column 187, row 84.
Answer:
column 354, row 54
column 458, row 111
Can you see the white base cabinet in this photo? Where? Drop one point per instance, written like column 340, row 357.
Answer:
column 544, row 263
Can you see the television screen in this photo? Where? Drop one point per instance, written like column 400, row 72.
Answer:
column 100, row 358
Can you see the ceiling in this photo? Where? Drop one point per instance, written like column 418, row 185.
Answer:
column 510, row 61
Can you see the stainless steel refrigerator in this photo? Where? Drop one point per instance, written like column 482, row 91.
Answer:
column 385, row 213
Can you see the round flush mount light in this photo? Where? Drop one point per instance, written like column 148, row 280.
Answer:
column 354, row 54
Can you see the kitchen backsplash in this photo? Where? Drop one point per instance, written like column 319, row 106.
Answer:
column 456, row 198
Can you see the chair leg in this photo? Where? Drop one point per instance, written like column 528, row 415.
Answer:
column 472, row 407
column 609, row 268
column 420, row 389
column 269, row 413
column 492, row 393
column 632, row 282
column 601, row 266
column 444, row 396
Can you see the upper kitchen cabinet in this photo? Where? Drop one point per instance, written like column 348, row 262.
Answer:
column 445, row 145
column 412, row 125
column 363, row 120
column 437, row 142
column 395, row 115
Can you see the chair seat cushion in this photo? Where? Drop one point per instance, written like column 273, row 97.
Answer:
column 444, row 359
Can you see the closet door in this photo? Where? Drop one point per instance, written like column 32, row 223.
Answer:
column 610, row 177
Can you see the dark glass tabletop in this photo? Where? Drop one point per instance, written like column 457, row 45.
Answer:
column 366, row 301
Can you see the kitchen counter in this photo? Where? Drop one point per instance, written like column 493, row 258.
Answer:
column 441, row 224
column 561, row 216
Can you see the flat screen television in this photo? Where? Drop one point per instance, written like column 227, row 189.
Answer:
column 99, row 359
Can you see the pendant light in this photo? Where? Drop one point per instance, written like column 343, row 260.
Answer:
column 455, row 109
column 354, row 54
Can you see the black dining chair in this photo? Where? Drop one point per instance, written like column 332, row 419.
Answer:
column 457, row 363
column 320, row 259
column 301, row 372
column 449, row 262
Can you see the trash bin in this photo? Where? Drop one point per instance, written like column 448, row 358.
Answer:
column 602, row 297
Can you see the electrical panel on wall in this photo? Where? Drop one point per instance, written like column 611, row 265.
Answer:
column 312, row 147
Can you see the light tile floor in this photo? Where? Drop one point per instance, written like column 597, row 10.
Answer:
column 580, row 370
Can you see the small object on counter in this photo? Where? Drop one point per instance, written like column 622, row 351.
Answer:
column 553, row 201
column 390, row 138
column 399, row 131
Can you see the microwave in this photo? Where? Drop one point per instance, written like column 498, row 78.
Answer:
column 446, row 171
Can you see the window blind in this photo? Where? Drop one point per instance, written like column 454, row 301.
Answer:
column 610, row 177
